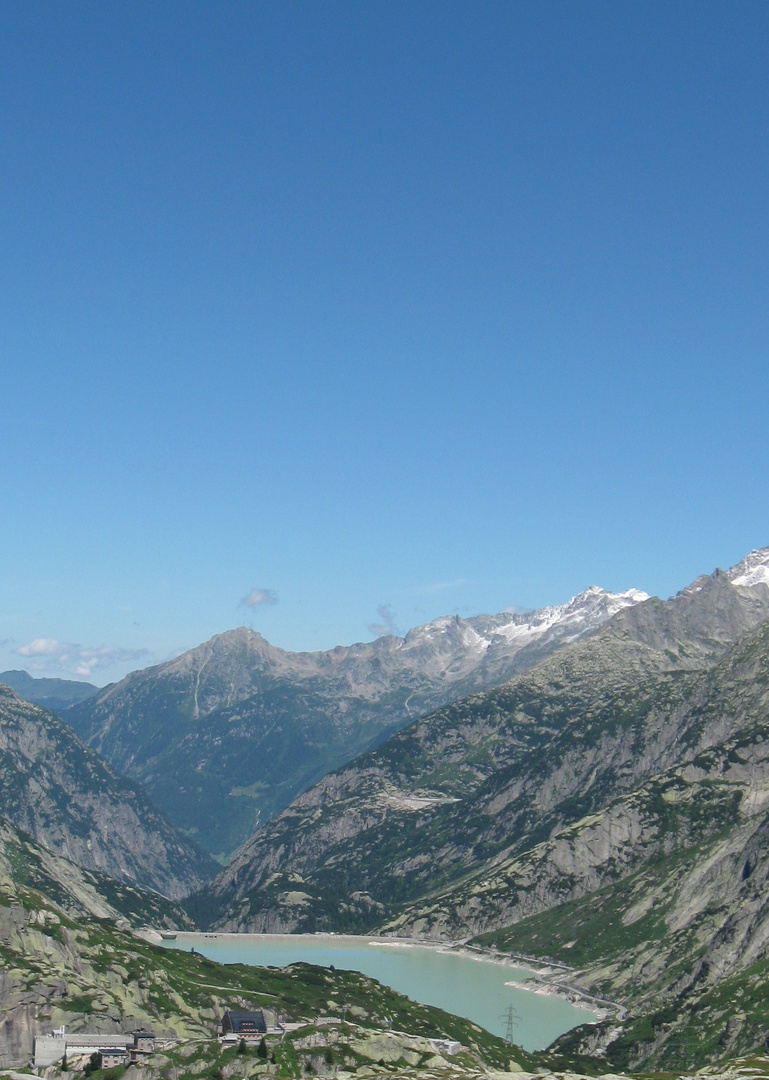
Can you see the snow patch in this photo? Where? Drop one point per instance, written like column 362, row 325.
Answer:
column 474, row 641
column 752, row 570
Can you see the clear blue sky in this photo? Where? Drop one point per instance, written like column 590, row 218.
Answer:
column 442, row 306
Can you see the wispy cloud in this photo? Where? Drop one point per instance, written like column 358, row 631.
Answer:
column 386, row 624
column 44, row 646
column 440, row 586
column 48, row 654
column 259, row 597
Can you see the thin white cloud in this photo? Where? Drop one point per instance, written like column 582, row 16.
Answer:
column 386, row 625
column 259, row 597
column 440, row 586
column 48, row 654
column 44, row 646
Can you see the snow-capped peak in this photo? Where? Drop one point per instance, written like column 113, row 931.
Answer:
column 582, row 612
column 452, row 637
column 752, row 570
column 627, row 598
column 516, row 629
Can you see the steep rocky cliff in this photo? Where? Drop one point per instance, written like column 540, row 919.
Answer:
column 683, row 939
column 45, row 971
column 61, row 793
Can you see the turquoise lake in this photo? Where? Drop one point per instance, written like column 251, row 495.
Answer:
column 460, row 984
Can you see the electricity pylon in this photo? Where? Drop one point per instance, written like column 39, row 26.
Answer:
column 513, row 1020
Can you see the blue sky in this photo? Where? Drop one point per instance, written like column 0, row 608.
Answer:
column 428, row 307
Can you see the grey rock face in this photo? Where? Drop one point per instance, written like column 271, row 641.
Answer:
column 65, row 797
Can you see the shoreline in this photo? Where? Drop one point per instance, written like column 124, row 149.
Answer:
column 537, row 972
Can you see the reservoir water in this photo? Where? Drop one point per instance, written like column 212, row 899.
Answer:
column 476, row 988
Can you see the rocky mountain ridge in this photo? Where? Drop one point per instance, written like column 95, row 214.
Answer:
column 716, row 788
column 53, row 694
column 752, row 570
column 227, row 734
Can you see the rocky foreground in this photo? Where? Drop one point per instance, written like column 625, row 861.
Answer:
column 352, row 1052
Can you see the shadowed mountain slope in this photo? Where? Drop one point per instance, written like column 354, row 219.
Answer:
column 80, row 893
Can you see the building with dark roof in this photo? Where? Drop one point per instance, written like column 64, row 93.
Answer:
column 241, row 1024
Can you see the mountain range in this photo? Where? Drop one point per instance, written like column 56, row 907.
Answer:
column 54, row 694
column 490, row 774
column 226, row 735
column 587, row 784
column 608, row 809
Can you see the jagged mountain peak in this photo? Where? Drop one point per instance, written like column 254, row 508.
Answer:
column 238, row 637
column 516, row 629
column 747, row 573
column 752, row 570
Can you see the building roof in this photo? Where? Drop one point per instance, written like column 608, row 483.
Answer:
column 238, row 1020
